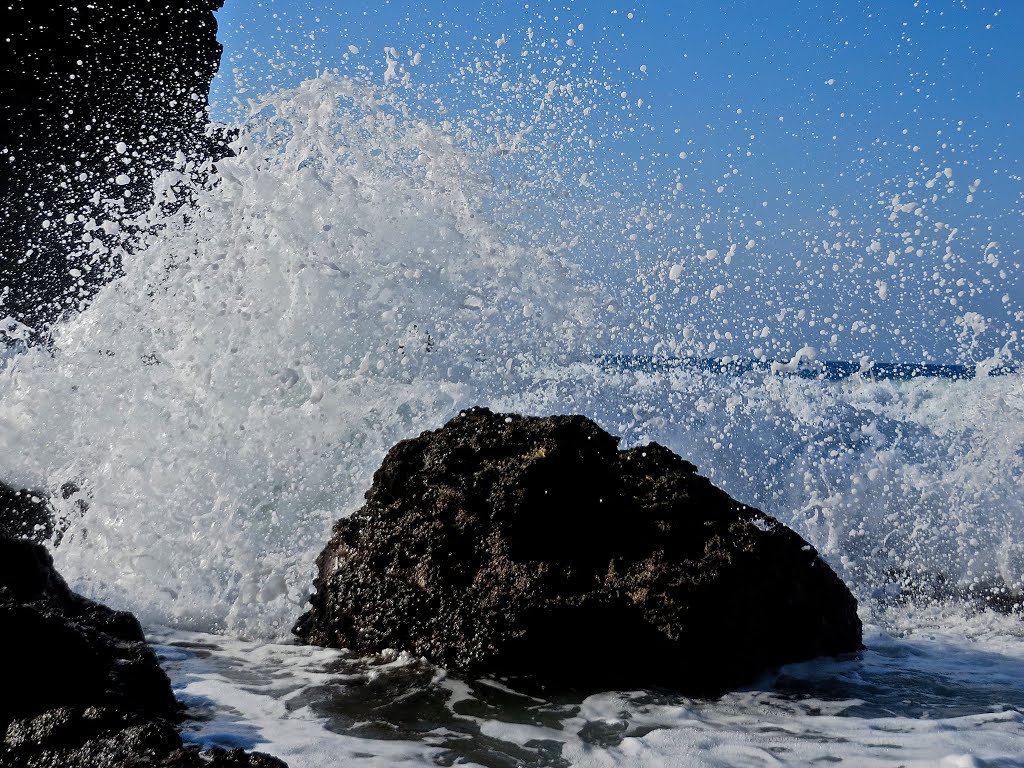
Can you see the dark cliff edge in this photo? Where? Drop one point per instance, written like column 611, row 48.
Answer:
column 96, row 97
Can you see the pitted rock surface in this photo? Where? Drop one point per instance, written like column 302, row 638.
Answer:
column 510, row 545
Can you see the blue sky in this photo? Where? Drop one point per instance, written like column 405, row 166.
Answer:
column 859, row 71
column 814, row 113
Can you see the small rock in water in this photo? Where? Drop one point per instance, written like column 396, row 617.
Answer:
column 512, row 545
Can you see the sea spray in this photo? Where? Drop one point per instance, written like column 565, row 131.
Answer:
column 897, row 483
column 358, row 273
column 644, row 186
column 331, row 289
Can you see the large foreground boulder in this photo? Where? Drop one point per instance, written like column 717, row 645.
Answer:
column 510, row 545
column 81, row 687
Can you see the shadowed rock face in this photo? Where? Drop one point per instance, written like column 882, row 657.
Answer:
column 503, row 544
column 80, row 78
column 80, row 652
column 90, row 692
column 25, row 514
column 29, row 514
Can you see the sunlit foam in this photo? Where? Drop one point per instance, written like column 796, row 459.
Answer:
column 357, row 274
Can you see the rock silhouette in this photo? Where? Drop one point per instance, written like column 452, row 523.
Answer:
column 512, row 545
column 96, row 96
column 25, row 514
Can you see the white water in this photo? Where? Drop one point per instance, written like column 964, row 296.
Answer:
column 228, row 397
column 358, row 274
column 941, row 697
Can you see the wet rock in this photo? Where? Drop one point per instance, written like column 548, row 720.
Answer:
column 80, row 652
column 74, row 654
column 511, row 545
column 30, row 514
column 95, row 98
column 101, row 738
column 24, row 514
column 92, row 693
column 93, row 736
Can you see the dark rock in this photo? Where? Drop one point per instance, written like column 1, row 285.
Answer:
column 237, row 758
column 93, row 736
column 79, row 653
column 104, row 738
column 25, row 514
column 93, row 694
column 79, row 79
column 509, row 545
column 29, row 514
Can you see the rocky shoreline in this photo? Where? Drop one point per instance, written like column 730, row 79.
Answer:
column 92, row 694
column 497, row 545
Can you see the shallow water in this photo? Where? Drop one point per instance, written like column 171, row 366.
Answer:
column 949, row 692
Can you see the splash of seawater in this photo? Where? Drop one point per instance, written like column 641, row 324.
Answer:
column 334, row 288
column 357, row 274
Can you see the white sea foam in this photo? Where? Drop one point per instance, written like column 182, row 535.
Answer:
column 938, row 697
column 337, row 288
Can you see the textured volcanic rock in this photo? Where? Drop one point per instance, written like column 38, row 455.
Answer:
column 97, row 737
column 91, row 692
column 503, row 544
column 80, row 78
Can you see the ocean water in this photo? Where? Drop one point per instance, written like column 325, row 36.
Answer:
column 360, row 272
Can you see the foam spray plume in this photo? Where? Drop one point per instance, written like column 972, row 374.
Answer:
column 334, row 288
column 358, row 273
